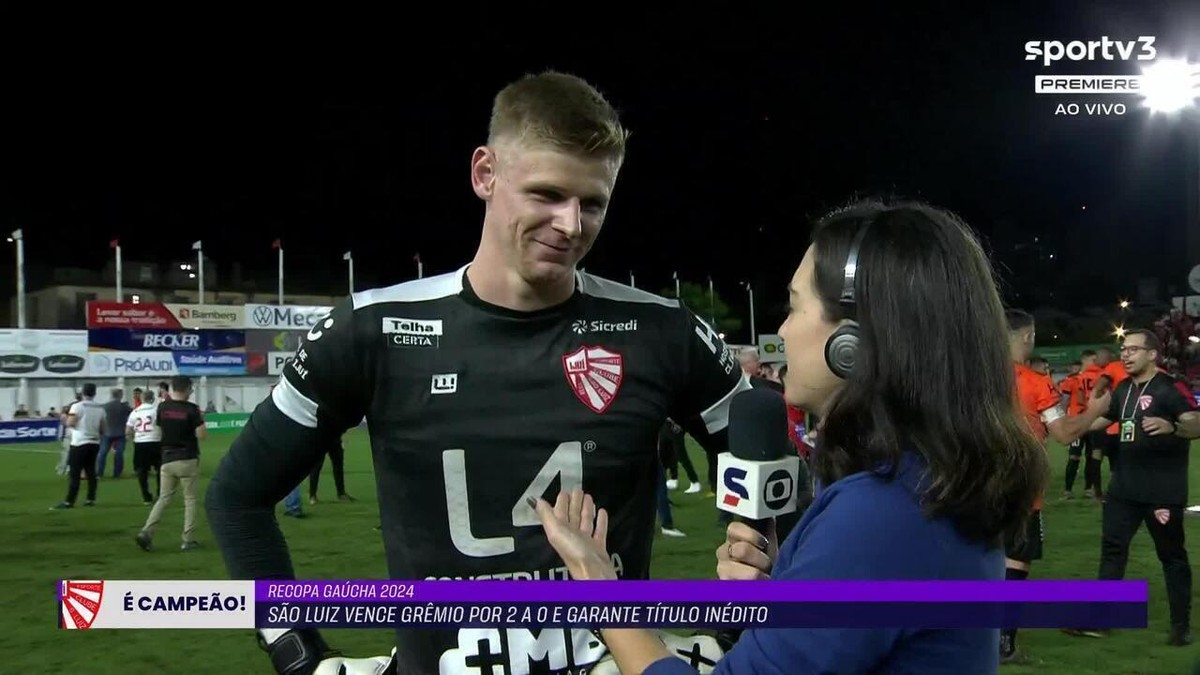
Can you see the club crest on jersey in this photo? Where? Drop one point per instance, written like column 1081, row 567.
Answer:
column 80, row 603
column 1145, row 401
column 594, row 374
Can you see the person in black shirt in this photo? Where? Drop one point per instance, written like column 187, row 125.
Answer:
column 1149, row 482
column 337, row 458
column 507, row 379
column 182, row 426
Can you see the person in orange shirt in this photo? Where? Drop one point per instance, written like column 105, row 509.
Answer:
column 1112, row 371
column 1069, row 387
column 1093, row 441
column 1046, row 415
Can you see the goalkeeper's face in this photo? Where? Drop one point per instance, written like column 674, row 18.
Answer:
column 545, row 206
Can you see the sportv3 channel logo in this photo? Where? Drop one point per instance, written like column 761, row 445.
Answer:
column 1150, row 84
column 1107, row 49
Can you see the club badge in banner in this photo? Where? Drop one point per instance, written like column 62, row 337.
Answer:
column 43, row 353
column 155, row 604
column 770, row 349
column 284, row 317
column 157, row 340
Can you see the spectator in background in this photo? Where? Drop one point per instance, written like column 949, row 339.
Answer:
column 751, row 364
column 672, row 450
column 182, row 426
column 337, row 457
column 116, row 415
column 84, row 420
column 147, row 451
column 64, row 436
column 136, row 401
column 666, row 520
column 1039, row 365
column 22, row 412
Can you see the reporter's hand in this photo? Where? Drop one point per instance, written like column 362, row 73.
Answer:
column 746, row 554
column 578, row 531
column 374, row 665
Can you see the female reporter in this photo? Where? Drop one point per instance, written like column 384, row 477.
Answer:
column 896, row 338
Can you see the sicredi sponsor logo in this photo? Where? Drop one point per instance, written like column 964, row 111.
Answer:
column 402, row 332
column 171, row 341
column 582, row 326
column 1104, row 49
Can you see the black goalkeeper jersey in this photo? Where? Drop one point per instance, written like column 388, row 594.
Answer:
column 471, row 408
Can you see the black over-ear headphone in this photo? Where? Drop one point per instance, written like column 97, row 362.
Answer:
column 841, row 349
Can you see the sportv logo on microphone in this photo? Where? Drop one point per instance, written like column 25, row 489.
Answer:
column 776, row 493
column 757, row 490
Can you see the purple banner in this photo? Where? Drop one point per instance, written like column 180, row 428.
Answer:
column 371, row 591
column 924, row 615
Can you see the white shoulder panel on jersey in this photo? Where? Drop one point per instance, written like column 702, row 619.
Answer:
column 612, row 290
column 418, row 290
column 301, row 409
column 716, row 417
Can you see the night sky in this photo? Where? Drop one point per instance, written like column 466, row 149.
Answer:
column 744, row 127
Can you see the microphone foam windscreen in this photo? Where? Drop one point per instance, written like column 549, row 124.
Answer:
column 758, row 425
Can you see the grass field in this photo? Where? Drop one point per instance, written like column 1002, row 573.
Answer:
column 338, row 541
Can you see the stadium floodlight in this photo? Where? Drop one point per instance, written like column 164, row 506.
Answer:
column 1119, row 331
column 1194, row 338
column 1124, row 304
column 1170, row 85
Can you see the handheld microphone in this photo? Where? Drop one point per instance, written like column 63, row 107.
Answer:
column 760, row 472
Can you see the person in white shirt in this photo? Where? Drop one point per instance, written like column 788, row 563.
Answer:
column 64, row 437
column 83, row 419
column 143, row 429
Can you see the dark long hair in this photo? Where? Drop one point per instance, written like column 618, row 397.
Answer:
column 933, row 373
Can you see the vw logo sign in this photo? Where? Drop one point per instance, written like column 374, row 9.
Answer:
column 262, row 315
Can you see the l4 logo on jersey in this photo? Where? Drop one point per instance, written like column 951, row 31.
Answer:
column 595, row 375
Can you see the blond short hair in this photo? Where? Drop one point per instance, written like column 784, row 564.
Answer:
column 559, row 110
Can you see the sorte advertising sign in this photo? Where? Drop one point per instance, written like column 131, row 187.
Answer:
column 284, row 317
column 43, row 353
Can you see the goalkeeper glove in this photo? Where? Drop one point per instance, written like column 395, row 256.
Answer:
column 304, row 652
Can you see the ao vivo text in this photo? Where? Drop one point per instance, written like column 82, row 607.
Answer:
column 1094, row 109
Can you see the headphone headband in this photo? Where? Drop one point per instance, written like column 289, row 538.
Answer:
column 847, row 298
